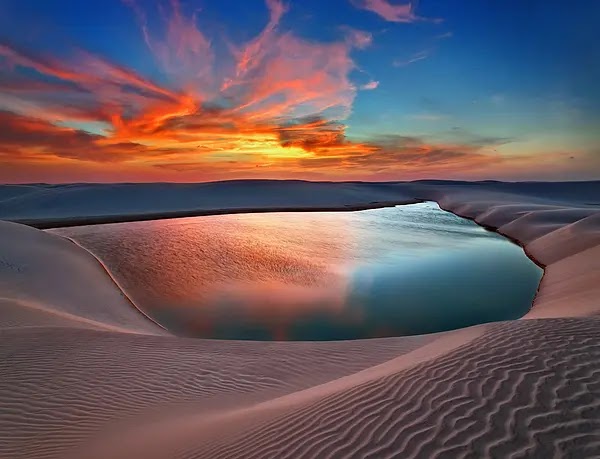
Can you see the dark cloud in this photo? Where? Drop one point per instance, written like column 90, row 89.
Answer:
column 397, row 152
column 311, row 133
column 27, row 137
column 464, row 136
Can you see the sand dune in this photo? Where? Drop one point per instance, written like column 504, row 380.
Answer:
column 51, row 274
column 86, row 375
column 56, row 205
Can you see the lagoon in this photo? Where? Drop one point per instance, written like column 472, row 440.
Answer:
column 394, row 271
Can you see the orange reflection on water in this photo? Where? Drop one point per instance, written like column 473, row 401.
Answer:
column 265, row 269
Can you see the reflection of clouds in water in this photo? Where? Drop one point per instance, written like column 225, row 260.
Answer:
column 166, row 262
column 277, row 305
column 277, row 300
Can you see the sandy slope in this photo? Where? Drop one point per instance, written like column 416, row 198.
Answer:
column 85, row 375
column 47, row 278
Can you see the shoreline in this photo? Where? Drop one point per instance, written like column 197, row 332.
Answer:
column 68, row 222
column 116, row 282
column 515, row 241
column 377, row 205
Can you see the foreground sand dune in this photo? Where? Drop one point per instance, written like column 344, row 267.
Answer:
column 86, row 375
column 483, row 399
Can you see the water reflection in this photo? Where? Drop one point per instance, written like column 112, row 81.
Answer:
column 316, row 276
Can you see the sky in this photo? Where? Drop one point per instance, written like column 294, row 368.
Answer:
column 203, row 90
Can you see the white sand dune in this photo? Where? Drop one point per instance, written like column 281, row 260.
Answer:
column 86, row 375
column 48, row 276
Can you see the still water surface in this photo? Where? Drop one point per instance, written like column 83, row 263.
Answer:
column 316, row 276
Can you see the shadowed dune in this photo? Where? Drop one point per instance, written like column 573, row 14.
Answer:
column 64, row 205
column 84, row 374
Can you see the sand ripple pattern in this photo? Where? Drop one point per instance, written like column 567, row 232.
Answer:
column 524, row 389
column 59, row 387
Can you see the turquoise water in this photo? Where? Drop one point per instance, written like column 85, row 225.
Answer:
column 316, row 276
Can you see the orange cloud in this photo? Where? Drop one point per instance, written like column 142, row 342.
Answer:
column 274, row 107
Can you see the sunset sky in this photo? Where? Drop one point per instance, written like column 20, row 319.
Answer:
column 198, row 90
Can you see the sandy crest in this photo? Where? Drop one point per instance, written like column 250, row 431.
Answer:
column 85, row 375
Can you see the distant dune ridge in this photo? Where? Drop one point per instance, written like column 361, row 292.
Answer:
column 84, row 374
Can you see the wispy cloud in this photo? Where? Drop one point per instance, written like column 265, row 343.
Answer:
column 424, row 54
column 370, row 85
column 498, row 99
column 444, row 36
column 181, row 48
column 253, row 53
column 427, row 116
column 404, row 12
column 388, row 11
column 465, row 137
column 359, row 39
column 421, row 55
